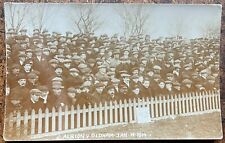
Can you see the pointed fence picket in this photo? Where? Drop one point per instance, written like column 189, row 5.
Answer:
column 116, row 112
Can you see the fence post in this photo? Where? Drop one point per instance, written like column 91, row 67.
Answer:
column 183, row 103
column 197, row 100
column 176, row 107
column 187, row 103
column 194, row 103
column 11, row 121
column 18, row 123
column 179, row 104
column 152, row 108
column 160, row 106
column 89, row 116
column 213, row 100
column 53, row 119
column 66, row 117
column 84, row 116
column 121, row 111
column 72, row 117
column 46, row 120
column 78, row 116
column 218, row 96
column 59, row 118
column 168, row 105
column 130, row 111
column 100, row 113
column 200, row 101
column 25, row 122
column 156, row 106
column 190, row 99
column 172, row 105
column 164, row 106
column 125, row 111
column 210, row 100
column 106, row 113
column 207, row 101
column 110, row 113
column 32, row 122
column 95, row 114
column 39, row 121
column 116, row 111
column 135, row 110
column 204, row 100
column 216, row 100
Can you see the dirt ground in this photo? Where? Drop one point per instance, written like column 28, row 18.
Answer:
column 205, row 126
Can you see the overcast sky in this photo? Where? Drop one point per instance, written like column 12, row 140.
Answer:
column 164, row 20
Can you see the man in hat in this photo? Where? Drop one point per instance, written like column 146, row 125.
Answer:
column 187, row 86
column 33, row 101
column 33, row 79
column 73, row 78
column 13, row 75
column 124, row 92
column 21, row 88
column 146, row 88
column 44, row 93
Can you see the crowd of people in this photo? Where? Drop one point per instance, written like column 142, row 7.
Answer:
column 52, row 70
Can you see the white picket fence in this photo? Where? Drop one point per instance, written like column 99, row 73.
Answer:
column 64, row 120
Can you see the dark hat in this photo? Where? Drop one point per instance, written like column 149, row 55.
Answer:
column 21, row 76
column 71, row 89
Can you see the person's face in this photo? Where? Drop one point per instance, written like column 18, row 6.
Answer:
column 35, row 97
column 60, row 51
column 126, row 79
column 61, row 59
column 204, row 74
column 146, row 83
column 211, row 81
column 29, row 54
column 22, row 59
column 16, row 71
column 136, row 91
column 177, row 87
column 116, row 56
column 135, row 72
column 99, row 62
column 91, row 64
column 135, row 80
column 74, row 74
column 67, row 65
column 161, row 84
column 194, row 76
column 123, row 90
column 156, row 71
column 85, row 89
column 46, row 53
column 32, row 80
column 71, row 94
column 142, row 69
column 188, row 85
column 111, row 92
column 22, row 82
column 27, row 67
column 57, row 91
column 38, row 53
column 170, row 78
column 102, row 70
column 58, row 71
column 99, row 89
column 169, row 85
column 89, row 52
column 52, row 50
column 83, row 56
column 126, row 53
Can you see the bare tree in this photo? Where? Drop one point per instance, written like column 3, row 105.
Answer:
column 134, row 19
column 86, row 18
column 16, row 16
column 42, row 16
column 211, row 30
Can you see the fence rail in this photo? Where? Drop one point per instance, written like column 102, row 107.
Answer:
column 56, row 121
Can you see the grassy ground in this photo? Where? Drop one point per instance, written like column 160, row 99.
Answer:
column 205, row 126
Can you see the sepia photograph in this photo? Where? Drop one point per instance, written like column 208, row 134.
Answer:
column 112, row 71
